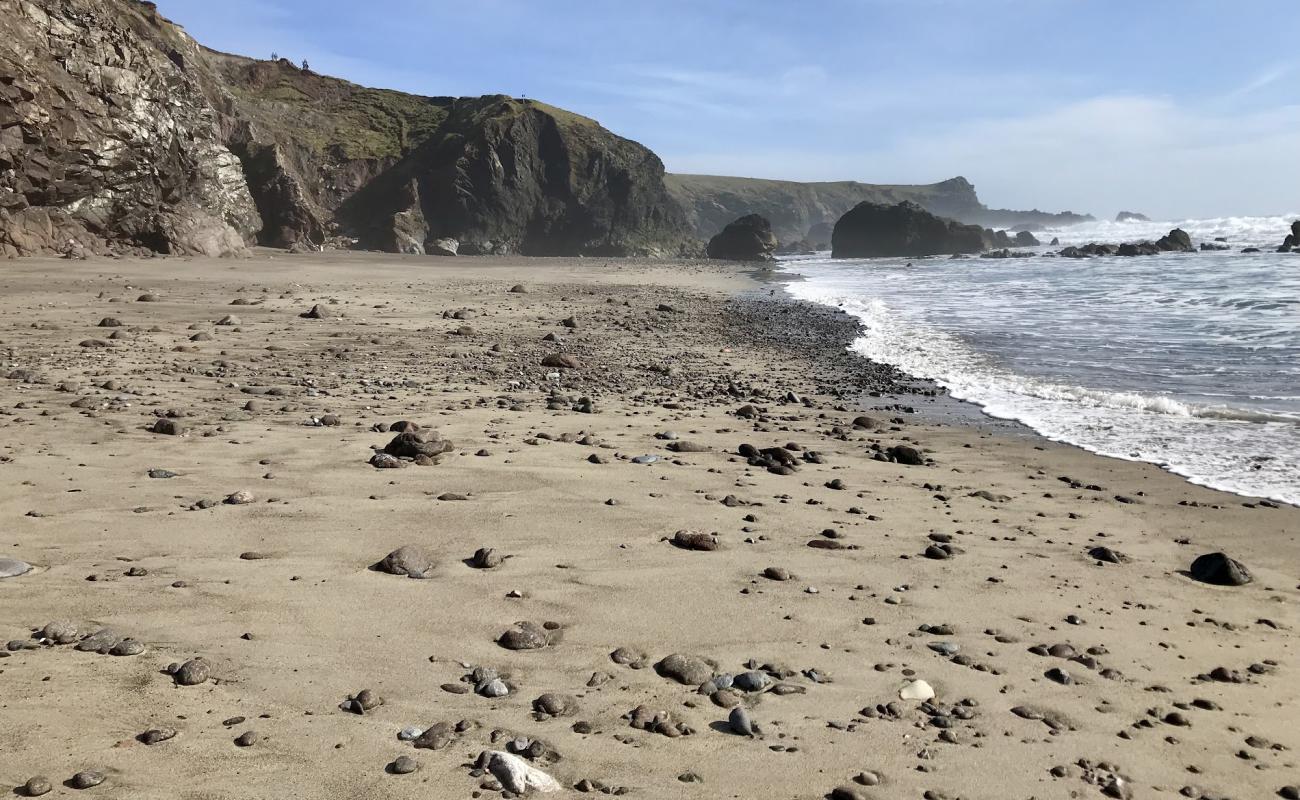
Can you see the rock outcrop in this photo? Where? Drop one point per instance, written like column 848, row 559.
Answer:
column 112, row 136
column 795, row 209
column 747, row 239
column 118, row 133
column 501, row 175
column 1292, row 241
column 872, row 230
column 1176, row 241
column 1131, row 216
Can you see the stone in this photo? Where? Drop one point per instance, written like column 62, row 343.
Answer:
column 13, row 568
column 193, row 672
column 905, row 454
column 404, row 765
column 410, row 560
column 168, row 427
column 1107, row 555
column 414, row 444
column 752, row 681
column 59, row 632
column 741, row 723
column 486, row 558
column 86, row 780
column 101, row 641
column 515, row 774
column 686, row 669
column 247, row 739
column 319, row 312
column 561, row 361
column 240, row 498
column 1220, row 569
column 917, row 690
column 128, row 647
column 525, row 636
column 694, row 540
column 36, row 786
column 156, row 735
column 436, row 736
column 556, row 705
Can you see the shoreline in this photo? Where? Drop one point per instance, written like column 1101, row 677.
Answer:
column 840, row 576
column 968, row 412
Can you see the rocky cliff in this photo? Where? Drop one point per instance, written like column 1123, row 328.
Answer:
column 712, row 201
column 516, row 176
column 112, row 135
column 119, row 133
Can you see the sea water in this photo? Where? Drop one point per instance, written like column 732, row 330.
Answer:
column 1186, row 360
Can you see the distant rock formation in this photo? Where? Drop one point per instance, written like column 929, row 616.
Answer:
column 1131, row 216
column 514, row 176
column 749, row 238
column 875, row 230
column 118, row 133
column 795, row 209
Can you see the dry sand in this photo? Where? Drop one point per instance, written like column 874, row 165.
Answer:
column 299, row 623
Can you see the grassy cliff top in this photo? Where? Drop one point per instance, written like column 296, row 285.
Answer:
column 331, row 115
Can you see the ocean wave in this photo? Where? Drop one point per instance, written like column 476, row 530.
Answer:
column 1238, row 231
column 1223, row 446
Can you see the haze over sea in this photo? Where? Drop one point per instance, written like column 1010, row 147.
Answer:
column 1187, row 360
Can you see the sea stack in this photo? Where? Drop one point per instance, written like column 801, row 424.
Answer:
column 874, row 230
column 749, row 238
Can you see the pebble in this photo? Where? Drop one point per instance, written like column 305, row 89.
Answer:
column 37, row 786
column 12, row 568
column 525, row 636
column 403, row 765
column 685, row 669
column 695, row 540
column 917, row 690
column 247, row 739
column 86, row 780
column 740, row 722
column 192, row 672
column 410, row 560
column 155, row 735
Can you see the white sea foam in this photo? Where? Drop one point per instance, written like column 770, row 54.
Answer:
column 1167, row 360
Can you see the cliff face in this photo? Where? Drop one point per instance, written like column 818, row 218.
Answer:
column 711, row 202
column 112, row 135
column 515, row 176
column 121, row 134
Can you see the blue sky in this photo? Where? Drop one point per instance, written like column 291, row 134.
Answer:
column 1172, row 107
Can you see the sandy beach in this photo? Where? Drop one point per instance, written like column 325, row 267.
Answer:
column 815, row 583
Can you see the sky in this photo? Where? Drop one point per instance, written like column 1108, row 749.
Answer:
column 1173, row 108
